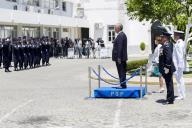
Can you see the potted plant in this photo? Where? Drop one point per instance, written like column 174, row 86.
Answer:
column 142, row 46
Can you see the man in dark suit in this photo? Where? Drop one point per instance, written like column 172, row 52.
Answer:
column 166, row 66
column 119, row 54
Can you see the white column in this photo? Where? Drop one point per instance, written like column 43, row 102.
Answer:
column 19, row 30
column 41, row 31
column 51, row 32
column 105, row 34
column 60, row 33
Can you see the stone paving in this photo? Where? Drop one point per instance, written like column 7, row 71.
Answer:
column 55, row 97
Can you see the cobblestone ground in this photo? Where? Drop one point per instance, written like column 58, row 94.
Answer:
column 55, row 97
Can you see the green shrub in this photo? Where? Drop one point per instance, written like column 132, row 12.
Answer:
column 132, row 65
column 142, row 46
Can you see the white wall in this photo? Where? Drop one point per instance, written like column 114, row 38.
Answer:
column 19, row 17
column 101, row 11
column 110, row 12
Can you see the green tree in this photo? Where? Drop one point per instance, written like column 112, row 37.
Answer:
column 167, row 11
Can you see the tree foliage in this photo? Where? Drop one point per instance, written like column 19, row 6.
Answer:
column 167, row 11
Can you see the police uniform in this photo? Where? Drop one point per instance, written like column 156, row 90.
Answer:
column 179, row 62
column 1, row 55
column 38, row 53
column 167, row 68
column 6, row 55
column 16, row 56
column 26, row 54
column 47, row 48
column 21, row 54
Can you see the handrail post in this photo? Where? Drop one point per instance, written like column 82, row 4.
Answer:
column 141, row 89
column 99, row 79
column 89, row 75
column 146, row 86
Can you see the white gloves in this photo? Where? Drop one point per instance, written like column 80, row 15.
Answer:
column 166, row 70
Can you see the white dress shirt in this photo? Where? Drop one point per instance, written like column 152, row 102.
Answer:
column 178, row 54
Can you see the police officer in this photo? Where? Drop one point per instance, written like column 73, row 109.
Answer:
column 43, row 52
column 26, row 53
column 35, row 54
column 31, row 55
column 21, row 54
column 179, row 62
column 6, row 54
column 166, row 66
column 16, row 56
column 47, row 48
column 1, row 53
column 38, row 50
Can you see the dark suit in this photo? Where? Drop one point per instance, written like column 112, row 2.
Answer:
column 1, row 54
column 16, row 55
column 120, row 54
column 166, row 61
column 6, row 55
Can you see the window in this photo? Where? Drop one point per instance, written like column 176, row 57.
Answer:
column 32, row 2
column 31, row 32
column 64, row 6
column 47, row 32
column 7, row 31
column 15, row 7
column 51, row 4
column 12, row 0
column 111, row 33
column 65, row 30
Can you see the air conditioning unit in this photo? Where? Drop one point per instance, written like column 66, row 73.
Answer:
column 15, row 7
column 98, row 25
column 80, row 12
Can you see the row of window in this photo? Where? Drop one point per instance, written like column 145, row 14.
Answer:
column 10, row 31
column 46, row 3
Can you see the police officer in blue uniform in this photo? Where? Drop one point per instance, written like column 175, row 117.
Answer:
column 1, row 53
column 16, row 56
column 6, row 54
column 166, row 65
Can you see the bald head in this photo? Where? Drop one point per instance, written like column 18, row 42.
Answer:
column 118, row 27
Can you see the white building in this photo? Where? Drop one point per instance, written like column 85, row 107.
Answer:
column 36, row 18
column 74, row 19
column 104, row 14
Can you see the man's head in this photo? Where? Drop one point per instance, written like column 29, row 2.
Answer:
column 118, row 27
column 165, row 37
column 178, row 35
column 157, row 40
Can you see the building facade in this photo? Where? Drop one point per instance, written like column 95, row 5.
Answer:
column 104, row 14
column 36, row 18
column 73, row 19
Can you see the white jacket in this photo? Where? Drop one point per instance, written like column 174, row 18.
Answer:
column 178, row 54
column 156, row 54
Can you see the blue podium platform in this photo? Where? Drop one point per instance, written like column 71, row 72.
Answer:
column 112, row 92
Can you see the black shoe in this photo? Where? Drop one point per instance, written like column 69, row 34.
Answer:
column 121, row 87
column 168, row 103
column 7, row 70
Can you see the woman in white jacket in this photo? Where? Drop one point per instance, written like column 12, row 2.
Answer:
column 156, row 63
